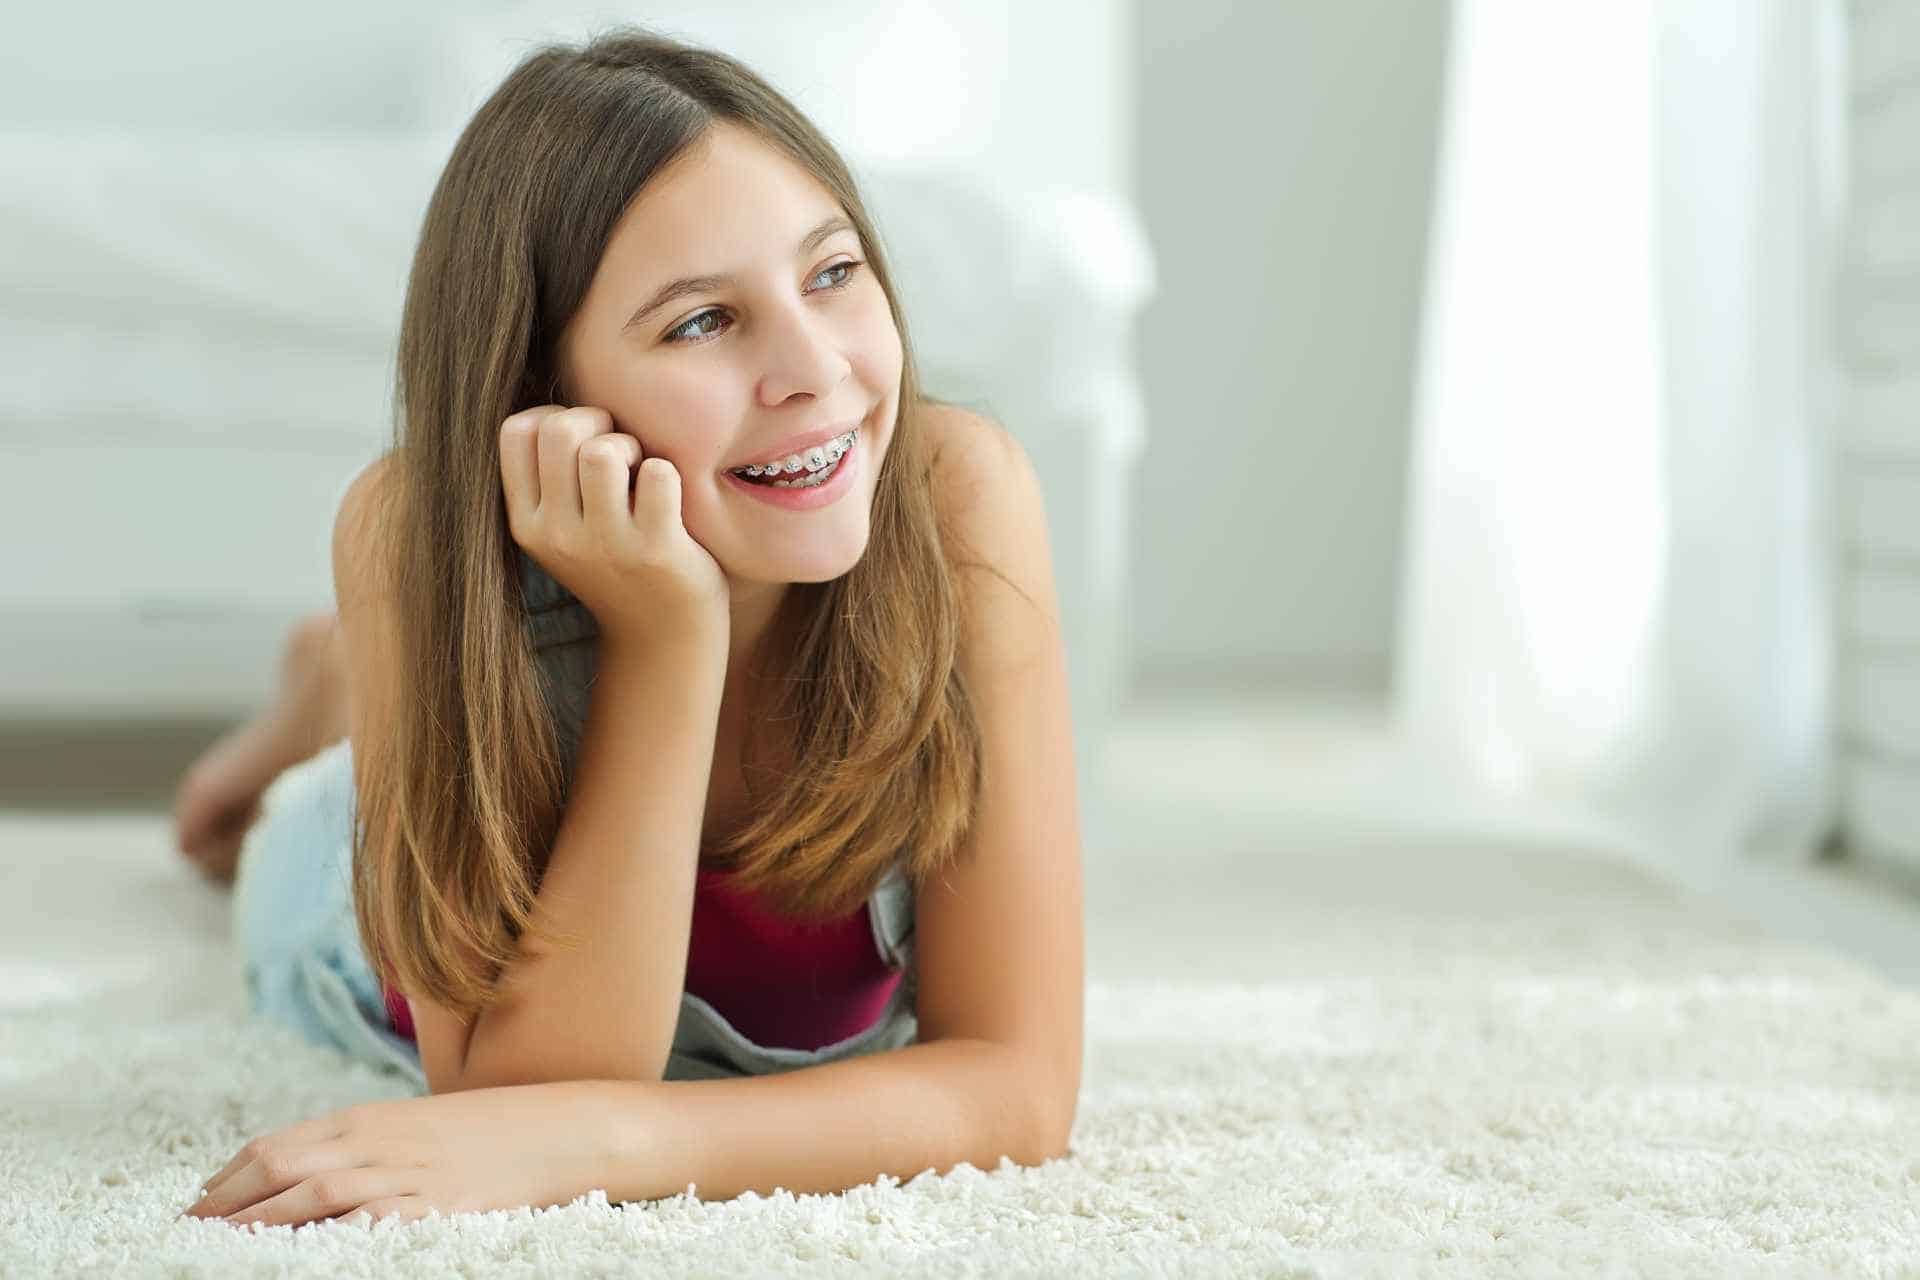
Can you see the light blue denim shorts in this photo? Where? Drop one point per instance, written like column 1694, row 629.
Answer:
column 304, row 967
column 293, row 922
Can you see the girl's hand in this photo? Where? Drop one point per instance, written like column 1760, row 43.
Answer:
column 471, row 1151
column 587, row 504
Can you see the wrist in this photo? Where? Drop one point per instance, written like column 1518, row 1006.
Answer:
column 689, row 637
column 628, row 1132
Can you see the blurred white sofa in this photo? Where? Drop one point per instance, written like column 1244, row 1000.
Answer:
column 198, row 333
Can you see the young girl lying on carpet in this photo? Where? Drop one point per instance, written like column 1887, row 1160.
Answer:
column 706, row 800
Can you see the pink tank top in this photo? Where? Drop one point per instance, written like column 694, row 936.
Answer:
column 779, row 983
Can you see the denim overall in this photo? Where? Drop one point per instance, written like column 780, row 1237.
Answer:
column 300, row 949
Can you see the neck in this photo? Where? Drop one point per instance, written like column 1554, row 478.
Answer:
column 754, row 609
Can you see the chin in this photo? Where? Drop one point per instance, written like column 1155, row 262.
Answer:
column 821, row 569
column 818, row 565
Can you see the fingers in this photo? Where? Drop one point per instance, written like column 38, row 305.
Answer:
column 335, row 1192
column 325, row 1128
column 321, row 1168
column 571, row 465
column 657, row 482
column 262, row 1171
column 247, row 1155
column 561, row 435
column 401, row 1208
column 520, row 459
column 536, row 465
column 606, row 463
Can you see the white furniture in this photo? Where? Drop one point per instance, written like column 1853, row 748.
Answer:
column 1879, row 444
column 199, row 335
column 202, row 268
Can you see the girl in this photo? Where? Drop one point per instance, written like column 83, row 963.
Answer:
column 706, row 800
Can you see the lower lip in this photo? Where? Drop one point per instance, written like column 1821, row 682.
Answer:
column 818, row 495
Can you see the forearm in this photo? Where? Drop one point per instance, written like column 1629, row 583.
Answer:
column 827, row 1128
column 620, row 877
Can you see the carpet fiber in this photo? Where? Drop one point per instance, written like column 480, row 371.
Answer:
column 1317, row 1055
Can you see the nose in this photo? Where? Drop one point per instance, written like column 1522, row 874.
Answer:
column 802, row 356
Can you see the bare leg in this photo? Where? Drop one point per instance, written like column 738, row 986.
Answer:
column 219, row 796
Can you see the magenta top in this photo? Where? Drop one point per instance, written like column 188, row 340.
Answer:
column 780, row 983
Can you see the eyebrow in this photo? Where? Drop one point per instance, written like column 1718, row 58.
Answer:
column 706, row 284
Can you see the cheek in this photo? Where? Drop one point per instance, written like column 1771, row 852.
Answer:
column 877, row 342
column 683, row 420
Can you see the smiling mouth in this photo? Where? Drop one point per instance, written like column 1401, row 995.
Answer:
column 797, row 470
column 811, row 480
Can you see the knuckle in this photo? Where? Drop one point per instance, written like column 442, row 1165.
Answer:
column 277, row 1166
column 329, row 1188
column 584, row 419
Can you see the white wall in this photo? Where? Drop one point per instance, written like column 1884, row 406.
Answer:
column 1284, row 162
column 1878, row 448
column 1035, row 94
column 1035, row 90
column 221, row 66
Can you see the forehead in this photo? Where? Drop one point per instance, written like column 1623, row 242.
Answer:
column 726, row 199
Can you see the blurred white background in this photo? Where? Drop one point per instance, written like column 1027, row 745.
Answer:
column 1485, row 416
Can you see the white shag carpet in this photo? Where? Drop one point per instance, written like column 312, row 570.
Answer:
column 1312, row 1056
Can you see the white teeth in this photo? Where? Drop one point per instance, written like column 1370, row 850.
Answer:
column 813, row 459
column 811, row 481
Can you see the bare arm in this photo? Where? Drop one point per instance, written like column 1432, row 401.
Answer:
column 621, row 872
column 621, row 876
column 830, row 1127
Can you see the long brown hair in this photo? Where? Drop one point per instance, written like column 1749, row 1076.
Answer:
column 459, row 806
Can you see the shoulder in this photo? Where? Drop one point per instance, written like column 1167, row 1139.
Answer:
column 969, row 450
column 983, row 478
column 992, row 507
column 364, row 506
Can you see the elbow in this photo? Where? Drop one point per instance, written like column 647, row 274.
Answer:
column 515, row 1042
column 1030, row 1148
column 1053, row 1133
column 1053, row 1139
column 1039, row 1131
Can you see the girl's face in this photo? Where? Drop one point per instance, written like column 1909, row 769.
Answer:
column 789, row 335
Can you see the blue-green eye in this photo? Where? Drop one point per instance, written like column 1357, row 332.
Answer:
column 839, row 266
column 685, row 334
column 681, row 334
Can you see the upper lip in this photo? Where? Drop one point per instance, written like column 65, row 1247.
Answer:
column 797, row 444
